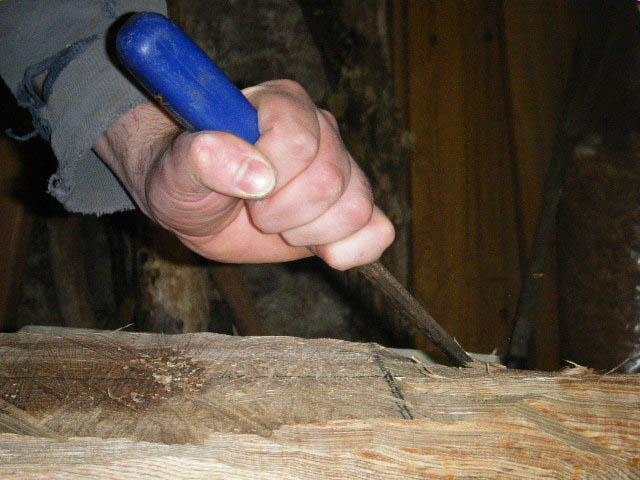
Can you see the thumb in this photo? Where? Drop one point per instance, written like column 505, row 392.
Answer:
column 225, row 164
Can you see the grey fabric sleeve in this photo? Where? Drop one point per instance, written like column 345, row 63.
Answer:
column 87, row 92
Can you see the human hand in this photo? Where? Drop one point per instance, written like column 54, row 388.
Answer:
column 296, row 192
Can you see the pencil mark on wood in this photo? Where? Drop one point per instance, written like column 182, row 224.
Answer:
column 394, row 387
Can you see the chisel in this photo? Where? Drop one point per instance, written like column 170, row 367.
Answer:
column 182, row 78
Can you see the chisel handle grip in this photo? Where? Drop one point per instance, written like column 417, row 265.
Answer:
column 183, row 78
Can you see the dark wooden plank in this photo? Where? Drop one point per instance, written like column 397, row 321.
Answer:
column 465, row 238
column 15, row 231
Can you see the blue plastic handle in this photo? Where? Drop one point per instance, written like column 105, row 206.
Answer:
column 182, row 78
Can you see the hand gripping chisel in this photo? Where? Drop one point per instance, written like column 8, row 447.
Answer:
column 185, row 81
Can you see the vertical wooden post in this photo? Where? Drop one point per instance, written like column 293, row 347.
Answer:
column 464, row 234
column 15, row 231
column 485, row 84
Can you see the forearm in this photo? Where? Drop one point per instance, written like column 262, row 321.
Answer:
column 132, row 146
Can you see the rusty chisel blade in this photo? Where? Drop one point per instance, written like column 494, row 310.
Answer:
column 380, row 277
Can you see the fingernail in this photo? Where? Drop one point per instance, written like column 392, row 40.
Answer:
column 255, row 177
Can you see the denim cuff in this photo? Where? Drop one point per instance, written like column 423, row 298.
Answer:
column 83, row 93
column 28, row 98
column 89, row 94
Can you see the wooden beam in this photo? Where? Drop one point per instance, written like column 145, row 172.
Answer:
column 175, row 288
column 486, row 82
column 236, row 292
column 213, row 406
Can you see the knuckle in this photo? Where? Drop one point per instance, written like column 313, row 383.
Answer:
column 295, row 240
column 330, row 118
column 250, row 92
column 327, row 184
column 299, row 142
column 196, row 150
column 335, row 260
column 198, row 142
column 205, row 154
column 290, row 86
column 387, row 234
column 358, row 211
column 262, row 218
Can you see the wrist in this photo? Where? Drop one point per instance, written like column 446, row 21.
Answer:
column 133, row 144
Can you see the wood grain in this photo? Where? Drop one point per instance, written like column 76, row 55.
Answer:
column 229, row 281
column 212, row 406
column 174, row 285
column 68, row 258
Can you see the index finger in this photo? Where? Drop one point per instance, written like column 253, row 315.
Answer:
column 289, row 127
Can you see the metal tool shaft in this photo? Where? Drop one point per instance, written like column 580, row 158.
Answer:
column 379, row 276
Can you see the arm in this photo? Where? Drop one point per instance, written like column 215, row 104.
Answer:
column 297, row 192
